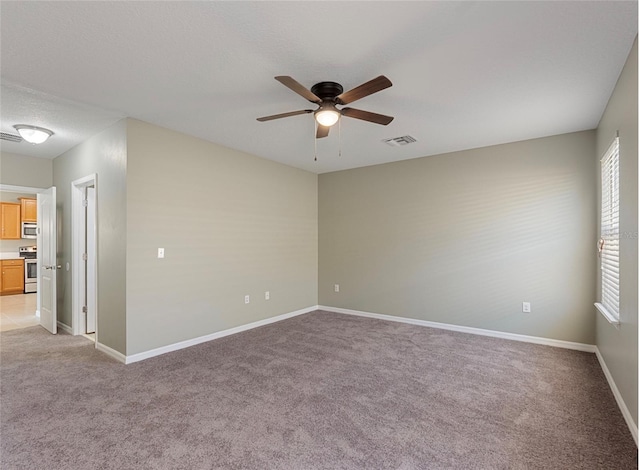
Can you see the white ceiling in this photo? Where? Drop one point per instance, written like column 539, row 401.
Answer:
column 465, row 74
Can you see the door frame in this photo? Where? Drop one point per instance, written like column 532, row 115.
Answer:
column 78, row 234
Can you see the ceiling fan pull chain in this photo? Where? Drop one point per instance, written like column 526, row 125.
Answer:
column 315, row 142
column 340, row 138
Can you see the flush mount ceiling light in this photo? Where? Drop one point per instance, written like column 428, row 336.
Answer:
column 33, row 134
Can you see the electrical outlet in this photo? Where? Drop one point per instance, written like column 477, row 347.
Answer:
column 160, row 252
column 336, row 288
column 526, row 307
column 267, row 296
column 247, row 299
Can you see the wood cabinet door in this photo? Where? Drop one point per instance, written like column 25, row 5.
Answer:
column 10, row 219
column 12, row 278
column 29, row 209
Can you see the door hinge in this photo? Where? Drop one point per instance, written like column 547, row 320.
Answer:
column 85, row 202
column 84, row 309
column 84, row 257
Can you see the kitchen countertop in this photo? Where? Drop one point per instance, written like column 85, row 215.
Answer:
column 10, row 255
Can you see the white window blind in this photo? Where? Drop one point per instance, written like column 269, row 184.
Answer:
column 610, row 233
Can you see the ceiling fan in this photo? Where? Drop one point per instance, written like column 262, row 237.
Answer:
column 329, row 94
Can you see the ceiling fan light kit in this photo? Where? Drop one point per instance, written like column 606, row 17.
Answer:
column 33, row 134
column 327, row 116
column 329, row 94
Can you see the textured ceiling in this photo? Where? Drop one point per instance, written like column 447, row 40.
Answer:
column 465, row 74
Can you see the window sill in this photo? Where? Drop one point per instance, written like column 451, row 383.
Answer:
column 610, row 318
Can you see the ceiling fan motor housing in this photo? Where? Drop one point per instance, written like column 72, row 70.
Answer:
column 327, row 90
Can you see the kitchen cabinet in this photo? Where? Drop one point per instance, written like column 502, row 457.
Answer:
column 10, row 221
column 29, row 209
column 12, row 273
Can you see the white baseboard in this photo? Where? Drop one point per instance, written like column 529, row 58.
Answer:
column 118, row 356
column 467, row 329
column 65, row 328
column 220, row 334
column 633, row 427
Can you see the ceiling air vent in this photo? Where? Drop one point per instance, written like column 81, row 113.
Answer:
column 10, row 137
column 400, row 141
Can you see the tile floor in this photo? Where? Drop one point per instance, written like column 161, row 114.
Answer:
column 18, row 311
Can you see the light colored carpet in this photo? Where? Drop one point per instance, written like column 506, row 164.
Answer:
column 318, row 391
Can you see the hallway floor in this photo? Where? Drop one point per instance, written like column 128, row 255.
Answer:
column 18, row 311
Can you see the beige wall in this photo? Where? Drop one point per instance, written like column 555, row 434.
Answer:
column 619, row 347
column 20, row 170
column 30, row 172
column 106, row 155
column 231, row 225
column 464, row 238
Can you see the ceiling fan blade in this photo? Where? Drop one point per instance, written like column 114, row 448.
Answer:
column 298, row 88
column 366, row 116
column 284, row 115
column 366, row 89
column 322, row 131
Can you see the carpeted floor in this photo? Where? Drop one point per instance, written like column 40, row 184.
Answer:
column 318, row 391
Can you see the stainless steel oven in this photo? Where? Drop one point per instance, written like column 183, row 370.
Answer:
column 30, row 255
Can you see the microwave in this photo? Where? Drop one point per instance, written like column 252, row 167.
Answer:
column 29, row 230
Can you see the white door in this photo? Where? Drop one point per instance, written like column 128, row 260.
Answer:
column 91, row 260
column 47, row 260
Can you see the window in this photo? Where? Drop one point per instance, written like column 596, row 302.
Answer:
column 609, row 244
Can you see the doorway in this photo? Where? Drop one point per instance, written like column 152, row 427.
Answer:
column 18, row 310
column 84, row 250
